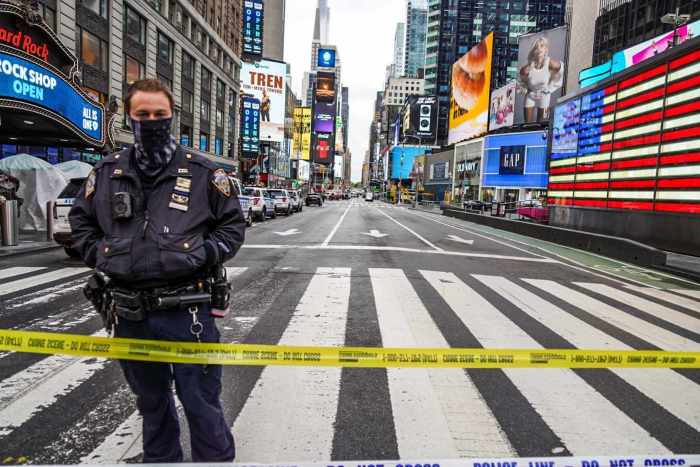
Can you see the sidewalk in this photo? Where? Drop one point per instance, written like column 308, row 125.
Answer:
column 29, row 242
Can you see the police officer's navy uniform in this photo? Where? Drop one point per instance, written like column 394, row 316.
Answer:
column 183, row 221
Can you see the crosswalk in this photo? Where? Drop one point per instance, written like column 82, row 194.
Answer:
column 50, row 404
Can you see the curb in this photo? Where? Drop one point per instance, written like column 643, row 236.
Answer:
column 7, row 252
column 605, row 245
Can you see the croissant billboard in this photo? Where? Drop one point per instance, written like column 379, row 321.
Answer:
column 471, row 85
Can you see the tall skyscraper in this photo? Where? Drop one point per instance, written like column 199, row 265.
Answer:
column 454, row 26
column 416, row 29
column 398, row 67
column 321, row 27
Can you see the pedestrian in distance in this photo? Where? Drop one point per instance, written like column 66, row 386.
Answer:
column 157, row 223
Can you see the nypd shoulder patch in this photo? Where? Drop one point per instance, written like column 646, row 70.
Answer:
column 221, row 182
column 90, row 184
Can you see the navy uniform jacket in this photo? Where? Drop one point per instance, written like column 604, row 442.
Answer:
column 191, row 204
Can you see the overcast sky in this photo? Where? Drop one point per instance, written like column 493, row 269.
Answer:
column 363, row 31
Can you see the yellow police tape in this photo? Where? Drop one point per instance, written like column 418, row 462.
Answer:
column 253, row 354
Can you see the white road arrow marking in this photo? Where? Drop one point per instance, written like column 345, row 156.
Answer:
column 375, row 234
column 286, row 233
column 455, row 238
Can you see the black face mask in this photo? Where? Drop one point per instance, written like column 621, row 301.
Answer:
column 152, row 135
column 155, row 145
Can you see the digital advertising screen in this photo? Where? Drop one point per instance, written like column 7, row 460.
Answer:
column 324, row 117
column 326, row 58
column 265, row 80
column 402, row 160
column 541, row 71
column 565, row 129
column 471, row 85
column 250, row 126
column 502, row 107
column 325, row 87
column 424, row 118
column 324, row 148
column 253, row 19
column 305, row 133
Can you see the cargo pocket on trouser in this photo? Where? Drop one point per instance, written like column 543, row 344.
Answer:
column 181, row 254
column 114, row 257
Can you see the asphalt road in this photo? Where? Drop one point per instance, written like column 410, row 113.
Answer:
column 369, row 274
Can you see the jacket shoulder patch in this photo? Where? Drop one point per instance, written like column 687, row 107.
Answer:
column 221, row 182
column 90, row 184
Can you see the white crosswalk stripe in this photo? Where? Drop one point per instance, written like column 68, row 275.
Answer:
column 40, row 279
column 290, row 414
column 18, row 271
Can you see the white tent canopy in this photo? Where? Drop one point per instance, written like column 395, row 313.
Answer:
column 74, row 169
column 39, row 182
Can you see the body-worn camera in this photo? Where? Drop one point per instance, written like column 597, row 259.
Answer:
column 122, row 206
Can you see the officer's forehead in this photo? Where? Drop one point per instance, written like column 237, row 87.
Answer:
column 149, row 100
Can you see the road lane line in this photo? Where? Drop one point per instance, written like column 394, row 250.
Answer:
column 19, row 270
column 438, row 412
column 655, row 335
column 594, row 425
column 337, row 226
column 669, row 297
column 668, row 388
column 402, row 250
column 26, row 396
column 29, row 282
column 647, row 306
column 411, row 231
column 478, row 235
column 290, row 413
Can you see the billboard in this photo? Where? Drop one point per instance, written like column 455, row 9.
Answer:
column 325, row 87
column 471, row 83
column 420, row 118
column 402, row 160
column 305, row 133
column 253, row 17
column 502, row 107
column 324, row 148
column 565, row 129
column 326, row 58
column 250, row 126
column 636, row 54
column 515, row 160
column 541, row 62
column 265, row 80
column 297, row 130
column 324, row 117
column 512, row 160
column 339, row 139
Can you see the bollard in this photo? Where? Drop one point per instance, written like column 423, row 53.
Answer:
column 50, row 208
column 8, row 223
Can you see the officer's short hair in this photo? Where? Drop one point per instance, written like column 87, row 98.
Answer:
column 147, row 85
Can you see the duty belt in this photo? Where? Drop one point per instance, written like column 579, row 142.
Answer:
column 169, row 298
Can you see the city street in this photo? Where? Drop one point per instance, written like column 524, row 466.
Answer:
column 359, row 273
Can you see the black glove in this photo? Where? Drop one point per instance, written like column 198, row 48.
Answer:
column 212, row 253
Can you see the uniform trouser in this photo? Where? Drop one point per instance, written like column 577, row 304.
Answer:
column 198, row 388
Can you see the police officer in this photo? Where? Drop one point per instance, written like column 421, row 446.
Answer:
column 156, row 220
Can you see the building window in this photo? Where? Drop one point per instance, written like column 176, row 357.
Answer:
column 135, row 26
column 133, row 70
column 219, row 118
column 165, row 48
column 206, row 81
column 220, row 90
column 186, row 136
column 99, row 7
column 187, row 101
column 187, row 66
column 204, row 110
column 49, row 15
column 96, row 95
column 93, row 50
column 219, row 146
column 203, row 141
column 166, row 81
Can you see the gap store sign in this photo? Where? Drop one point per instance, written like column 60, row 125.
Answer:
column 22, row 80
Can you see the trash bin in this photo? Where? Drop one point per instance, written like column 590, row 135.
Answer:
column 8, row 222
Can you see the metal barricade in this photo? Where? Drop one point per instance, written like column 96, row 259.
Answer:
column 8, row 222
